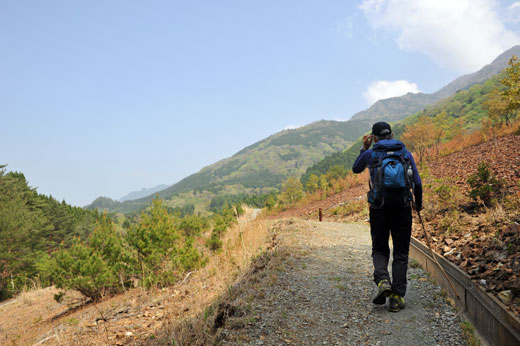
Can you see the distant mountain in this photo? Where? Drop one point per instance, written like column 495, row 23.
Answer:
column 397, row 108
column 479, row 77
column 102, row 203
column 142, row 193
column 267, row 163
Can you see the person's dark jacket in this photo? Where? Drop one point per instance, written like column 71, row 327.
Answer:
column 365, row 159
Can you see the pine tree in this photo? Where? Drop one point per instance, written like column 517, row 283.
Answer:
column 163, row 253
column 22, row 229
column 84, row 269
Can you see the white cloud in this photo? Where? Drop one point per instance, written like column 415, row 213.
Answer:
column 463, row 35
column 382, row 89
column 514, row 5
column 513, row 13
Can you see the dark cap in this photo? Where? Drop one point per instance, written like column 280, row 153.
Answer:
column 381, row 129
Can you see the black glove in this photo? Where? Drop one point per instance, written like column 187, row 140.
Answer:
column 418, row 197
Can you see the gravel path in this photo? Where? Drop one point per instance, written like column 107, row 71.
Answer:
column 323, row 296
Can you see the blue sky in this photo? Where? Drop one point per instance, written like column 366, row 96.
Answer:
column 100, row 98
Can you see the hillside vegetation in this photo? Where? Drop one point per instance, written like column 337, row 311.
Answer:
column 136, row 315
column 463, row 111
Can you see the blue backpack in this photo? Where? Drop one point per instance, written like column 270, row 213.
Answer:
column 391, row 176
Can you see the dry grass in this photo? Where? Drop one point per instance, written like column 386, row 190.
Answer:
column 348, row 181
column 465, row 139
column 233, row 309
column 336, row 186
column 352, row 210
column 242, row 243
column 29, row 315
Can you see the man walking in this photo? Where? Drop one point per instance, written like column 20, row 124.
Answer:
column 393, row 177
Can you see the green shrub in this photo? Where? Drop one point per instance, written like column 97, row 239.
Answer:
column 192, row 225
column 270, row 202
column 221, row 222
column 45, row 266
column 444, row 192
column 239, row 209
column 164, row 252
column 189, row 257
column 94, row 268
column 220, row 226
column 214, row 243
column 113, row 248
column 450, row 223
column 446, row 196
column 82, row 268
column 154, row 239
column 485, row 186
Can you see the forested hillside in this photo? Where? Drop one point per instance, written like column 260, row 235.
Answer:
column 31, row 225
column 44, row 242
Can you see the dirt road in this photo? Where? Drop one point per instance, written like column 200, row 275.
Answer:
column 318, row 288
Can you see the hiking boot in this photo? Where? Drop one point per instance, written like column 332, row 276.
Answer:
column 396, row 303
column 383, row 290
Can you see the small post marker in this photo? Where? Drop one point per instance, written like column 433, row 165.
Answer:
column 320, row 214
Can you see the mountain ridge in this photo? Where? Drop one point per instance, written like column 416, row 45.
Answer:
column 142, row 193
column 389, row 109
column 263, row 165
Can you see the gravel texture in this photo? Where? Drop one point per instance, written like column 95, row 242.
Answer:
column 323, row 296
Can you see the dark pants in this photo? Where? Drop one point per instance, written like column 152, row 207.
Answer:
column 398, row 222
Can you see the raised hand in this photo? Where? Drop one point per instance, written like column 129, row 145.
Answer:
column 367, row 141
